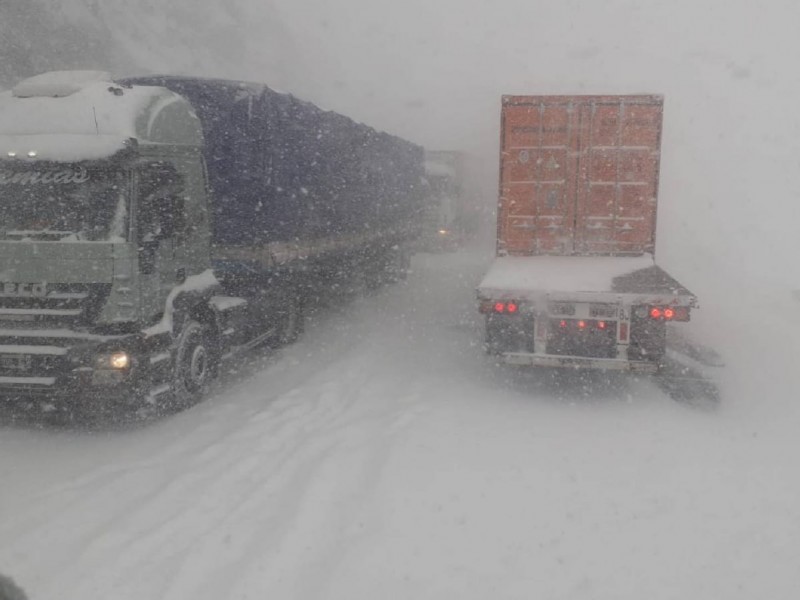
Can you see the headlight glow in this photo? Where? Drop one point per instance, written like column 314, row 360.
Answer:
column 120, row 360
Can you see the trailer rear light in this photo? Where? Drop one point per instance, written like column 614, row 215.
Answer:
column 669, row 313
column 583, row 324
column 489, row 306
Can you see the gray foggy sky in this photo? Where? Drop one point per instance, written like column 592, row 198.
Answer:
column 434, row 71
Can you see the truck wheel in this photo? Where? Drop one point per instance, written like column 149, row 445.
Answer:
column 194, row 364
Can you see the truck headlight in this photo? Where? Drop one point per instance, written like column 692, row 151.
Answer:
column 117, row 361
column 112, row 368
column 120, row 360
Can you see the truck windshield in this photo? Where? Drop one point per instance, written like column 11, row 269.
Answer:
column 63, row 203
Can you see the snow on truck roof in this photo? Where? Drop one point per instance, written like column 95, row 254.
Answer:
column 69, row 116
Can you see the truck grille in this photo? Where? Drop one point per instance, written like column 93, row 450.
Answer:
column 37, row 332
column 64, row 305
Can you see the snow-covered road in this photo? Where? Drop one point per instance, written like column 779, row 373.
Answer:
column 383, row 457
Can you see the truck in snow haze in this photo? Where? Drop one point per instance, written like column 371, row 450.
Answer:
column 574, row 282
column 153, row 227
column 453, row 209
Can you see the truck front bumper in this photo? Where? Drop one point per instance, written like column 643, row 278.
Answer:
column 79, row 372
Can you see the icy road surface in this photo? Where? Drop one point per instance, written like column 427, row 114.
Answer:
column 383, row 457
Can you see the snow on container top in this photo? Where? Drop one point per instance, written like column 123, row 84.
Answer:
column 69, row 116
column 579, row 175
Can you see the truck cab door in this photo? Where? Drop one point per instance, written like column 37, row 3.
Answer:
column 192, row 226
column 157, row 225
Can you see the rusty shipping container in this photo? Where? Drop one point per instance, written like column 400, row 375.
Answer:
column 579, row 175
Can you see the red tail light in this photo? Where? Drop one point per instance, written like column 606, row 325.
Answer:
column 581, row 324
column 669, row 313
column 601, row 324
column 562, row 324
column 488, row 306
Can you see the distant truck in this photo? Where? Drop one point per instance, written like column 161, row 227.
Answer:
column 152, row 227
column 444, row 218
column 574, row 283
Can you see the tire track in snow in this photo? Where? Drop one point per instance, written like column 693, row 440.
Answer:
column 291, row 431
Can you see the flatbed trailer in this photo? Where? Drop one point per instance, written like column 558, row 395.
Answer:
column 589, row 311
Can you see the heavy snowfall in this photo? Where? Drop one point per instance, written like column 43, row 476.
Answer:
column 384, row 454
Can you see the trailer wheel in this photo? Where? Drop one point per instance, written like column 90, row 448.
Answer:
column 194, row 364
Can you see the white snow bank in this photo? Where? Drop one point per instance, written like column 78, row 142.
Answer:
column 559, row 273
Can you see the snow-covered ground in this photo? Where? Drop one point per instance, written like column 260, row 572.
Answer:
column 382, row 456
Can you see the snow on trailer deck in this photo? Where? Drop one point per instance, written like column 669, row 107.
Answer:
column 533, row 277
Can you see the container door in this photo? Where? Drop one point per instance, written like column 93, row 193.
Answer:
column 579, row 174
column 618, row 177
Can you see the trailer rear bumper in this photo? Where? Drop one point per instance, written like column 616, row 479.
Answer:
column 577, row 362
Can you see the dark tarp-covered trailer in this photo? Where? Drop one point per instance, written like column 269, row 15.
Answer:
column 283, row 170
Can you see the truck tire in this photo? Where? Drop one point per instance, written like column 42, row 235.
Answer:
column 194, row 364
